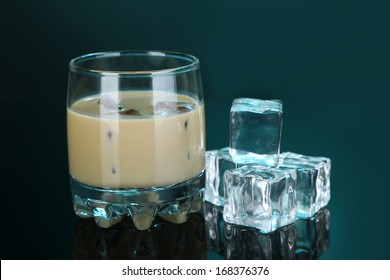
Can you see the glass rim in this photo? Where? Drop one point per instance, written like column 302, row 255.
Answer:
column 193, row 63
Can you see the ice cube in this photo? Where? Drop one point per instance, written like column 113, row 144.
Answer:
column 162, row 108
column 255, row 131
column 313, row 182
column 217, row 162
column 260, row 197
column 108, row 103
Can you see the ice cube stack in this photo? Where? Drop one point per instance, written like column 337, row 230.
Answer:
column 256, row 185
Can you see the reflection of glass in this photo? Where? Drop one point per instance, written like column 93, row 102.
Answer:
column 123, row 241
column 305, row 239
column 135, row 135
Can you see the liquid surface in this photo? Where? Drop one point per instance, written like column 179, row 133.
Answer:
column 135, row 139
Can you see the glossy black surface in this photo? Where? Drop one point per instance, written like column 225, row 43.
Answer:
column 124, row 242
column 328, row 62
column 306, row 239
column 198, row 239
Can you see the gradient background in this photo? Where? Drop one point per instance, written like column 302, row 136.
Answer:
column 329, row 61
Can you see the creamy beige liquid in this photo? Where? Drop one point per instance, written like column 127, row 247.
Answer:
column 162, row 146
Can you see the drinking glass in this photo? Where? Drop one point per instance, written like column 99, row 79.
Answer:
column 136, row 136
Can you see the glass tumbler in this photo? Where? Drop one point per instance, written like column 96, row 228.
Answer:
column 136, row 136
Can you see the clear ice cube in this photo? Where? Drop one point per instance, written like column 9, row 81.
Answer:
column 217, row 162
column 255, row 131
column 313, row 182
column 258, row 197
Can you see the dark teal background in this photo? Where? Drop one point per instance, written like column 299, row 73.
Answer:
column 329, row 61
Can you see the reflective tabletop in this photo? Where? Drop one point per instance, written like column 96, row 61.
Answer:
column 204, row 236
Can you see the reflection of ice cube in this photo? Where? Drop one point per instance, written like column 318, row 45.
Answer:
column 214, row 227
column 255, row 131
column 259, row 197
column 217, row 162
column 313, row 235
column 245, row 243
column 313, row 182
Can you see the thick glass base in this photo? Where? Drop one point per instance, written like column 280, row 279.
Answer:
column 109, row 206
